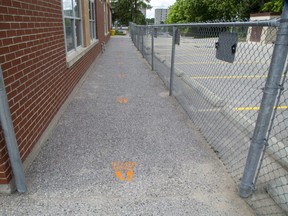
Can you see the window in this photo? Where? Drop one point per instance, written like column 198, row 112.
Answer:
column 72, row 24
column 105, row 17
column 92, row 18
column 79, row 18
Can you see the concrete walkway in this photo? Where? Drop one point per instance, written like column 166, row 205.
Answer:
column 122, row 117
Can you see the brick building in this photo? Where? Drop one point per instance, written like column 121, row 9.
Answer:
column 45, row 49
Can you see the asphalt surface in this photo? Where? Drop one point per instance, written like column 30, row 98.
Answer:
column 124, row 147
column 240, row 84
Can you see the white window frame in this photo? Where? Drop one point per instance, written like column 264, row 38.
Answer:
column 73, row 55
column 106, row 31
column 92, row 20
column 74, row 18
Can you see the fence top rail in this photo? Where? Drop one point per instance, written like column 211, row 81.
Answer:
column 272, row 22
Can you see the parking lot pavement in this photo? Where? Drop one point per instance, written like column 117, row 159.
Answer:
column 239, row 84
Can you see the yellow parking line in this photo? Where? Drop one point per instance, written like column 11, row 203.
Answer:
column 228, row 77
column 257, row 108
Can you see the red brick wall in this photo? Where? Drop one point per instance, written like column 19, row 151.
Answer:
column 33, row 59
column 100, row 20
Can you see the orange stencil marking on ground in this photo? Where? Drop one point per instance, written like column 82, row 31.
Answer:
column 122, row 76
column 129, row 175
column 124, row 167
column 121, row 100
column 119, row 175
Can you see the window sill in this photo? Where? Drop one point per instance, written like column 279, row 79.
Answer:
column 72, row 58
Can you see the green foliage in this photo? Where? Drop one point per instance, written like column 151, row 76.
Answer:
column 125, row 11
column 273, row 6
column 150, row 21
column 185, row 11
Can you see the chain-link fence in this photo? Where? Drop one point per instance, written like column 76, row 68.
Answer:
column 223, row 74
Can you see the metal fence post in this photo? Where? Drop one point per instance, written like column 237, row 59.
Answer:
column 172, row 60
column 152, row 54
column 10, row 139
column 130, row 29
column 131, row 32
column 137, row 37
column 134, row 35
column 269, row 97
column 142, row 34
